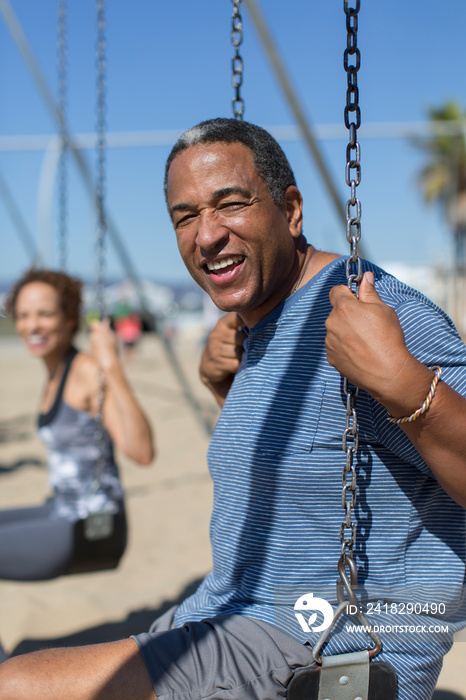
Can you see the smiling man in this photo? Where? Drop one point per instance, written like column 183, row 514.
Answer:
column 224, row 219
column 276, row 458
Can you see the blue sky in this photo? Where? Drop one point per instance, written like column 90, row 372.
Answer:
column 169, row 67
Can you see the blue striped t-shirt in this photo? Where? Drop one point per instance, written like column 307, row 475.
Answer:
column 276, row 461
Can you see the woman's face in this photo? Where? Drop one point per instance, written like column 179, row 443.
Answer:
column 40, row 320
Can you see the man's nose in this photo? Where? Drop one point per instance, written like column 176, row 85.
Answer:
column 211, row 233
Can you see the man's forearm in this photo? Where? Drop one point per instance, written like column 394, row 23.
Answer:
column 439, row 435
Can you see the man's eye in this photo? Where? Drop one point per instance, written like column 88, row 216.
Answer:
column 185, row 220
column 232, row 205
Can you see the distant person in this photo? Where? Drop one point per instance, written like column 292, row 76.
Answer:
column 36, row 543
column 129, row 330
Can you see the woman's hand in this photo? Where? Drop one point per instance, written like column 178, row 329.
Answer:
column 103, row 345
column 123, row 416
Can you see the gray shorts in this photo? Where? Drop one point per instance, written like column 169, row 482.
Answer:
column 229, row 657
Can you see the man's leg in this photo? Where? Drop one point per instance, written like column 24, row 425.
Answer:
column 113, row 671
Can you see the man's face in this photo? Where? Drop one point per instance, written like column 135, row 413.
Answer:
column 236, row 243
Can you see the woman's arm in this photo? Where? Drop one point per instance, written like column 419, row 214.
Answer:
column 123, row 416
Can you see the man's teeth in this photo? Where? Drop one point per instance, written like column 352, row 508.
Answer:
column 218, row 264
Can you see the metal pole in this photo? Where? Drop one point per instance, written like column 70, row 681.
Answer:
column 14, row 212
column 293, row 100
column 45, row 196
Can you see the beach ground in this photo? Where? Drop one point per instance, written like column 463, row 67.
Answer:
column 168, row 505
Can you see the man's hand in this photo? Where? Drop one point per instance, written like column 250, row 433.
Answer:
column 365, row 343
column 222, row 355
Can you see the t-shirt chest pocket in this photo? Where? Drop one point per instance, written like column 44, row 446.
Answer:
column 287, row 414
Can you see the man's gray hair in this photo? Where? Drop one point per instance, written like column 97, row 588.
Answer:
column 269, row 159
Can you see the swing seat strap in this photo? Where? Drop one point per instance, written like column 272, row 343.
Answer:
column 345, row 676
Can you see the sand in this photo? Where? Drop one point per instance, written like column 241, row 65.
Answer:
column 168, row 504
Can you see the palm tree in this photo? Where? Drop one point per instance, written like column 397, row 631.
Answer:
column 443, row 178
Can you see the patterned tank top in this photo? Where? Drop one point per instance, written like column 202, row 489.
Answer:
column 69, row 436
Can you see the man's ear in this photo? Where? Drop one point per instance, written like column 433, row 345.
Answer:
column 293, row 204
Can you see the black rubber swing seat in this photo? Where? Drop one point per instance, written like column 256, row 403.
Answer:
column 99, row 542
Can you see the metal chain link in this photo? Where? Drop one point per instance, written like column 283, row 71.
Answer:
column 237, row 61
column 347, row 570
column 99, row 435
column 62, row 52
column 352, row 62
column 350, row 443
column 350, row 439
column 101, row 175
column 101, row 234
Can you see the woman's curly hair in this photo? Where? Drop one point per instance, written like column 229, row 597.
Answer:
column 68, row 288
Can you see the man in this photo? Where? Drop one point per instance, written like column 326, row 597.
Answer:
column 276, row 457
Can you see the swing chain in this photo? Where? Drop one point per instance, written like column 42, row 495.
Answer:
column 347, row 584
column 101, row 225
column 62, row 104
column 99, row 435
column 101, row 157
column 350, row 438
column 237, row 61
column 352, row 62
column 350, row 443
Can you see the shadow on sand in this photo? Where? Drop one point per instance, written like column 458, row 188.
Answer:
column 17, row 429
column 136, row 622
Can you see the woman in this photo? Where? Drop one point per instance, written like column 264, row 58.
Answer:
column 37, row 543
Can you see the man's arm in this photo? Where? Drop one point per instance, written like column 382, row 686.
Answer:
column 113, row 671
column 365, row 343
column 222, row 356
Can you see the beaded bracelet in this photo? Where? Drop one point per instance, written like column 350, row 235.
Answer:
column 425, row 406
